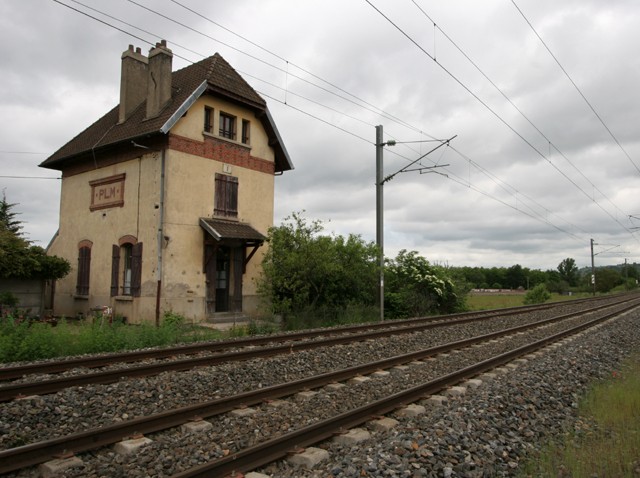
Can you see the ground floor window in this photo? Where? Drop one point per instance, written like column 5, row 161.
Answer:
column 126, row 268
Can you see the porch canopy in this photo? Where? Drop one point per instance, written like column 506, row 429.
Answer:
column 232, row 231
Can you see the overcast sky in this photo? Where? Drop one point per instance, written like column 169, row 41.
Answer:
column 532, row 175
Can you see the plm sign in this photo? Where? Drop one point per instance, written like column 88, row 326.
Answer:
column 107, row 192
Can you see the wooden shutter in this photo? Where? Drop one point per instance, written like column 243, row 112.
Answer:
column 136, row 269
column 115, row 267
column 226, row 196
column 84, row 267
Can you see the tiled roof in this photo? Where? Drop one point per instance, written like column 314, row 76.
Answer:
column 221, row 229
column 221, row 79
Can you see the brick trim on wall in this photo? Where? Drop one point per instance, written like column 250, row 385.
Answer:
column 223, row 151
column 128, row 239
column 85, row 243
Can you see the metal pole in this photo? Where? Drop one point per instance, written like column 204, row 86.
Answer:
column 379, row 217
column 160, row 235
column 593, row 270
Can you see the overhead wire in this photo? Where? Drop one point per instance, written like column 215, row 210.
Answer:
column 506, row 97
column 284, row 71
column 576, row 87
column 304, row 70
column 27, row 177
column 288, row 62
column 492, row 111
column 539, row 218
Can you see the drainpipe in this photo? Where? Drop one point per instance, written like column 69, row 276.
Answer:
column 160, row 237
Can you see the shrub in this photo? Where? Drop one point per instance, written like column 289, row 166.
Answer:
column 538, row 295
column 172, row 319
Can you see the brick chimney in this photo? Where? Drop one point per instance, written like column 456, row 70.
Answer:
column 133, row 82
column 159, row 83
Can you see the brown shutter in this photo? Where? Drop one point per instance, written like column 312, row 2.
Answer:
column 232, row 195
column 218, row 208
column 226, row 196
column 115, row 266
column 84, row 267
column 136, row 269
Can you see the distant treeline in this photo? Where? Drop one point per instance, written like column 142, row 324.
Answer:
column 562, row 279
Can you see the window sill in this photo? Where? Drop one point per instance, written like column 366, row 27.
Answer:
column 222, row 217
column 124, row 298
column 226, row 140
column 80, row 297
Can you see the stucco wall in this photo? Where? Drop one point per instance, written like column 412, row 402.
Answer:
column 189, row 195
column 138, row 217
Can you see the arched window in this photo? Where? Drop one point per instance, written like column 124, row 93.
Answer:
column 84, row 267
column 126, row 267
column 126, row 260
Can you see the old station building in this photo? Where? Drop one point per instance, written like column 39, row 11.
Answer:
column 166, row 200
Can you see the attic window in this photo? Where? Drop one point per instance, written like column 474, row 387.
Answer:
column 227, row 126
column 245, row 131
column 208, row 119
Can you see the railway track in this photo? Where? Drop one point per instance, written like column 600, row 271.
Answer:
column 8, row 373
column 245, row 460
column 250, row 351
column 278, row 448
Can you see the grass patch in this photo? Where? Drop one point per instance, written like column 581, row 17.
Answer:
column 502, row 301
column 493, row 301
column 20, row 341
column 606, row 439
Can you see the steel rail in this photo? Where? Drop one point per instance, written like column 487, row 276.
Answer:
column 42, row 387
column 14, row 372
column 29, row 455
column 274, row 449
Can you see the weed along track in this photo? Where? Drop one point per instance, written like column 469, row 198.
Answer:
column 241, row 416
column 104, row 360
column 79, row 372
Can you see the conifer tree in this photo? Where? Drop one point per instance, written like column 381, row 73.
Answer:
column 8, row 221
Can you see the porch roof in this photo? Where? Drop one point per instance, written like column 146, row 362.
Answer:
column 220, row 229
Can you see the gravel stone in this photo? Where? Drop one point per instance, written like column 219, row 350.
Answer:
column 486, row 432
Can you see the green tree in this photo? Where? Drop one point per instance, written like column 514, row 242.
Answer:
column 607, row 279
column 569, row 271
column 516, row 277
column 304, row 269
column 629, row 271
column 495, row 277
column 413, row 287
column 18, row 257
column 536, row 276
column 8, row 221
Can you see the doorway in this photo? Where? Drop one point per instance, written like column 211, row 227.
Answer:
column 223, row 270
column 218, row 275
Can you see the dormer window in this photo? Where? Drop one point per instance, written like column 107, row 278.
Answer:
column 227, row 126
